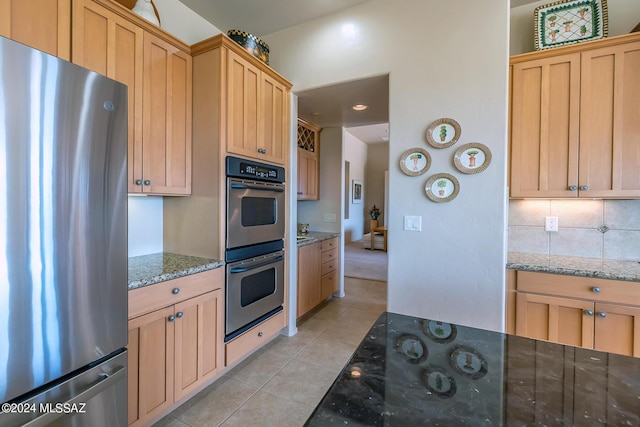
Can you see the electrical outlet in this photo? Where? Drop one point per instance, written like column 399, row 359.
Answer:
column 329, row 217
column 551, row 223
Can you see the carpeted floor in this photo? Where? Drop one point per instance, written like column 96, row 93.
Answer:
column 364, row 263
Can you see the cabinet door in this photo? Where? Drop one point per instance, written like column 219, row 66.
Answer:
column 329, row 284
column 243, row 87
column 273, row 142
column 544, row 127
column 108, row 44
column 166, row 151
column 307, row 175
column 152, row 335
column 610, row 122
column 198, row 341
column 561, row 320
column 617, row 329
column 309, row 292
column 42, row 24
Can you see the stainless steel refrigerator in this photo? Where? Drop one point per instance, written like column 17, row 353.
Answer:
column 63, row 242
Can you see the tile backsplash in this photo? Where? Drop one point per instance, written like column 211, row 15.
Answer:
column 586, row 228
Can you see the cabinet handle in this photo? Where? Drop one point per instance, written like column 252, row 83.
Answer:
column 147, row 182
column 584, row 187
column 175, row 291
column 596, row 289
column 299, row 192
column 260, row 334
column 171, row 318
column 179, row 315
column 588, row 312
column 262, row 151
column 573, row 187
column 602, row 314
column 138, row 182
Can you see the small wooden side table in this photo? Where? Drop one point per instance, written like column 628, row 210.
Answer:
column 382, row 230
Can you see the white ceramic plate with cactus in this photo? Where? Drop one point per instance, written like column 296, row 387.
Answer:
column 442, row 187
column 472, row 158
column 443, row 133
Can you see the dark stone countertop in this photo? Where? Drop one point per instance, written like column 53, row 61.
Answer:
column 147, row 270
column 410, row 371
column 315, row 237
column 576, row 266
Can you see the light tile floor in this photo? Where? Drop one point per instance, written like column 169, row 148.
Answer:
column 282, row 383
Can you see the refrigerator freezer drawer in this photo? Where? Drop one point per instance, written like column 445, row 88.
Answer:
column 96, row 396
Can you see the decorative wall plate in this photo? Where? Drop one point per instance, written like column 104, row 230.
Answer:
column 443, row 133
column 442, row 187
column 468, row 362
column 415, row 161
column 436, row 380
column 412, row 347
column 472, row 158
column 570, row 21
column 440, row 332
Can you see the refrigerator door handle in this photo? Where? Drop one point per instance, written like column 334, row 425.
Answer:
column 104, row 382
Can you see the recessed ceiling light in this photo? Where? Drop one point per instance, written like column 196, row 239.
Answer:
column 359, row 107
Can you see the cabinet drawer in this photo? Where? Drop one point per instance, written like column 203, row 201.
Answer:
column 589, row 288
column 329, row 244
column 329, row 284
column 329, row 255
column 253, row 338
column 328, row 267
column 160, row 295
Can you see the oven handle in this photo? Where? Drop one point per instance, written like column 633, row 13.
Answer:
column 253, row 267
column 253, row 187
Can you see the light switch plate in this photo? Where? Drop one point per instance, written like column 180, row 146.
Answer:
column 329, row 217
column 412, row 223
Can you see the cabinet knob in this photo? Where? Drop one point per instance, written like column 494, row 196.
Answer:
column 299, row 192
column 175, row 291
column 138, row 182
column 602, row 314
column 588, row 312
column 596, row 289
column 260, row 334
column 179, row 315
column 262, row 151
column 147, row 182
column 584, row 187
column 171, row 318
column 573, row 187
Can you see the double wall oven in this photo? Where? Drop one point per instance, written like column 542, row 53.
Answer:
column 254, row 253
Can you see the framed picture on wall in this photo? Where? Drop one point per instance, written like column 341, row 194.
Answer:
column 356, row 192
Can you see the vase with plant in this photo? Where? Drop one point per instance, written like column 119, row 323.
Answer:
column 442, row 183
column 374, row 213
column 443, row 133
column 416, row 158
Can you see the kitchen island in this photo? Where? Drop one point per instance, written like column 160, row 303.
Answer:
column 413, row 371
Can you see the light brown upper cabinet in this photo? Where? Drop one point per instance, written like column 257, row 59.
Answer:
column 42, row 24
column 111, row 40
column 257, row 111
column 308, row 161
column 575, row 125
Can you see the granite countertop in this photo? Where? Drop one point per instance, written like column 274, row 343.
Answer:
column 147, row 270
column 586, row 267
column 315, row 237
column 410, row 371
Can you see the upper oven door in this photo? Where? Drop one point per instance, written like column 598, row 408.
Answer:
column 255, row 212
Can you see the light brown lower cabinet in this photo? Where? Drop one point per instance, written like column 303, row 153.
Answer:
column 317, row 273
column 580, row 311
column 175, row 350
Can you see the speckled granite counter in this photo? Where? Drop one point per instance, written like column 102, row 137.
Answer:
column 410, row 371
column 315, row 237
column 146, row 270
column 586, row 267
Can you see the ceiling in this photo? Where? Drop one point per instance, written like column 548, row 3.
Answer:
column 328, row 106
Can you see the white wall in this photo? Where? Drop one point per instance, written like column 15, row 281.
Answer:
column 623, row 16
column 182, row 22
column 454, row 269
column 355, row 152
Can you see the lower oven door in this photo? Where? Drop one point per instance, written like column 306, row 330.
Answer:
column 255, row 287
column 255, row 212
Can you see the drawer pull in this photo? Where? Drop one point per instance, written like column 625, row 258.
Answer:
column 260, row 333
column 602, row 314
column 596, row 289
column 588, row 312
column 175, row 291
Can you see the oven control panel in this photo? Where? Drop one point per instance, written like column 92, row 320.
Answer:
column 242, row 168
